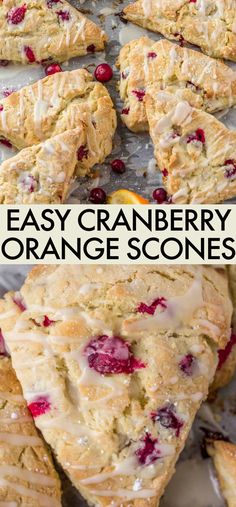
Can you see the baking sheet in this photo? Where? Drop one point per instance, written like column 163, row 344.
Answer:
column 194, row 483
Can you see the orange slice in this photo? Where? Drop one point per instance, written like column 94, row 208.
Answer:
column 124, row 196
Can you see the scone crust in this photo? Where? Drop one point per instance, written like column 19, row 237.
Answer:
column 224, row 459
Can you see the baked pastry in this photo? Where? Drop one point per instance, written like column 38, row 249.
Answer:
column 42, row 173
column 57, row 103
column 114, row 365
column 40, row 30
column 144, row 62
column 224, row 459
column 27, row 474
column 195, row 152
column 232, row 283
column 208, row 24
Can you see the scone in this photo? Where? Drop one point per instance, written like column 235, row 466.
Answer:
column 144, row 62
column 195, row 152
column 208, row 24
column 42, row 173
column 40, row 30
column 114, row 365
column 58, row 103
column 224, row 459
column 27, row 474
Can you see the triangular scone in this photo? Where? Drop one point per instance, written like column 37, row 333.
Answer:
column 195, row 152
column 208, row 24
column 27, row 473
column 40, row 30
column 115, row 385
column 224, row 459
column 41, row 173
column 58, row 103
column 144, row 62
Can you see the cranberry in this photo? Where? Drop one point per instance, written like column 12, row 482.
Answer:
column 152, row 55
column 47, row 322
column 150, row 309
column 7, row 92
column 1, row 108
column 165, row 173
column 103, row 73
column 6, row 143
column 139, row 94
column 125, row 74
column 51, row 3
column 63, row 15
column 167, row 417
column 160, row 195
column 3, row 351
column 97, row 196
column 53, row 69
column 118, row 166
column 4, row 63
column 192, row 1
column 29, row 54
column 223, row 354
column 18, row 300
column 28, row 183
column 199, row 135
column 82, row 152
column 231, row 169
column 126, row 110
column 16, row 15
column 186, row 364
column 91, row 48
column 180, row 38
column 148, row 453
column 111, row 354
column 40, row 406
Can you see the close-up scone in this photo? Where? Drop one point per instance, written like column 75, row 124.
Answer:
column 122, row 360
column 58, row 103
column 207, row 24
column 27, row 474
column 195, row 152
column 39, row 30
column 224, row 459
column 42, row 173
column 144, row 62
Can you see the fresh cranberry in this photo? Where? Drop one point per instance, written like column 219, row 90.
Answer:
column 91, row 48
column 186, row 364
column 160, row 195
column 97, row 196
column 82, row 153
column 139, row 94
column 118, row 166
column 29, row 54
column 53, row 69
column 231, row 169
column 199, row 135
column 167, row 417
column 4, row 63
column 165, row 173
column 1, row 108
column 6, row 143
column 63, row 15
column 16, row 15
column 152, row 55
column 223, row 354
column 51, row 3
column 126, row 110
column 150, row 309
column 148, row 453
column 111, row 354
column 40, row 406
column 3, row 351
column 18, row 300
column 103, row 73
column 47, row 322
column 7, row 92
column 180, row 38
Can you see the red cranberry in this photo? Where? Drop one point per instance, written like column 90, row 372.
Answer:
column 7, row 92
column 6, row 143
column 29, row 54
column 53, row 69
column 47, row 322
column 82, row 153
column 1, row 108
column 40, row 406
column 63, row 15
column 160, row 195
column 165, row 173
column 103, row 73
column 16, row 15
column 150, row 309
column 199, row 135
column 148, row 453
column 139, row 94
column 167, row 417
column 97, row 196
column 4, row 63
column 152, row 55
column 3, row 351
column 192, row 1
column 91, row 48
column 18, row 300
column 118, row 166
column 126, row 110
column 223, row 354
column 186, row 364
column 111, row 354
column 231, row 169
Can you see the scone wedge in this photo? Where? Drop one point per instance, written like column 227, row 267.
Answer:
column 40, row 30
column 114, row 385
column 144, row 62
column 224, row 459
column 208, row 24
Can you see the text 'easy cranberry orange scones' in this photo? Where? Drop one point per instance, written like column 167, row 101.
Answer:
column 114, row 365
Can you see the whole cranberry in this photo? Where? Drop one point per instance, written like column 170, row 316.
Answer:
column 97, row 196
column 103, row 73
column 52, row 69
column 118, row 166
column 160, row 195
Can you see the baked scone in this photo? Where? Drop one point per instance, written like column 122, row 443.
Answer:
column 144, row 62
column 42, row 173
column 57, row 103
column 224, row 459
column 39, row 30
column 27, row 474
column 195, row 152
column 208, row 24
column 114, row 365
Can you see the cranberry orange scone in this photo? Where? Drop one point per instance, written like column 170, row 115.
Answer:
column 39, row 30
column 209, row 24
column 58, row 103
column 224, row 459
column 114, row 365
column 144, row 62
